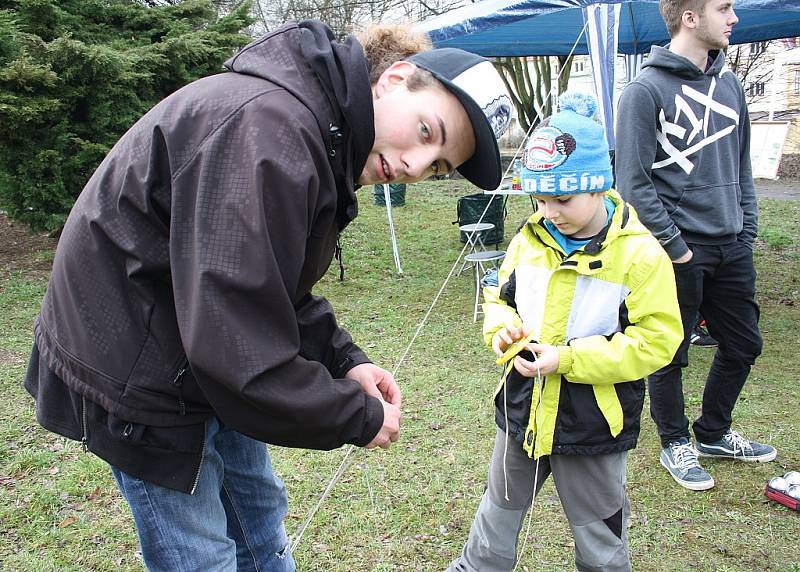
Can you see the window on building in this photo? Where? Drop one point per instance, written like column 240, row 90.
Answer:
column 757, row 48
column 797, row 81
column 578, row 66
column 755, row 88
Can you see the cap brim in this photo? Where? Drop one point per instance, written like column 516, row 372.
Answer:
column 484, row 169
column 455, row 68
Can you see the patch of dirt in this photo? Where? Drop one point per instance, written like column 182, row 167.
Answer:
column 9, row 357
column 21, row 250
column 783, row 188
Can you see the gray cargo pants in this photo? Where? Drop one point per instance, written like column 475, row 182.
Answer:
column 592, row 493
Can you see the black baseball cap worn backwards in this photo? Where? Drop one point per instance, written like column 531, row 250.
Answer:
column 480, row 90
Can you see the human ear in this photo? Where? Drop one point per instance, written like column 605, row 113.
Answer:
column 689, row 19
column 395, row 75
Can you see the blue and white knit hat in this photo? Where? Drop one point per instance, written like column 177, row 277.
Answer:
column 568, row 154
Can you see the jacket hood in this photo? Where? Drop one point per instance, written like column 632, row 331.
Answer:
column 341, row 70
column 670, row 61
column 623, row 222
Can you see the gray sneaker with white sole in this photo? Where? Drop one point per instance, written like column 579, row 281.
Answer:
column 733, row 446
column 680, row 459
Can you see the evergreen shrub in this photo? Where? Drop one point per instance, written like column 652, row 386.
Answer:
column 76, row 74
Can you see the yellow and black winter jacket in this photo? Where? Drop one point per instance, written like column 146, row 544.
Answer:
column 612, row 311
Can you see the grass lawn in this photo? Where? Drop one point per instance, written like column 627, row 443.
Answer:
column 410, row 508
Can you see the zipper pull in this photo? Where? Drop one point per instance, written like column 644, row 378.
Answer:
column 84, row 426
column 177, row 382
column 337, row 253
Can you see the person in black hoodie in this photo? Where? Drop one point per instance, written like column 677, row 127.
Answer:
column 684, row 164
column 179, row 331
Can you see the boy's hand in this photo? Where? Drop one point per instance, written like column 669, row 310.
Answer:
column 507, row 336
column 547, row 360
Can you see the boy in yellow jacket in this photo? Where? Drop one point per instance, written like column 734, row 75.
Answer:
column 594, row 293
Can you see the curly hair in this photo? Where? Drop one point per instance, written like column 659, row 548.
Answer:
column 385, row 44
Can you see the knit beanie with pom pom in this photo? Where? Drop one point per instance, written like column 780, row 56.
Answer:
column 568, row 152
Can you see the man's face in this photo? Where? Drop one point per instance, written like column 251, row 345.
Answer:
column 580, row 215
column 715, row 24
column 418, row 134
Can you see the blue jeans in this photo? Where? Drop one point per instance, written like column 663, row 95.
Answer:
column 232, row 521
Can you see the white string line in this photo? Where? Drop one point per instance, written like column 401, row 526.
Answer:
column 505, row 443
column 344, row 464
column 539, row 381
column 536, row 442
column 336, row 475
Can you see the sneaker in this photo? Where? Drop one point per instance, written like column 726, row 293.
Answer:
column 680, row 459
column 700, row 337
column 734, row 446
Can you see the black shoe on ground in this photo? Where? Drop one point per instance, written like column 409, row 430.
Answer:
column 700, row 338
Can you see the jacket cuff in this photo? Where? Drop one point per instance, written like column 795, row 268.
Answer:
column 676, row 248
column 356, row 357
column 746, row 239
column 564, row 359
column 373, row 421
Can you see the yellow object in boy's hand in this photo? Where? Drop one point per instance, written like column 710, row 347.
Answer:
column 512, row 350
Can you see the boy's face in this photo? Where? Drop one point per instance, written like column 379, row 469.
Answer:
column 580, row 215
column 418, row 134
column 715, row 24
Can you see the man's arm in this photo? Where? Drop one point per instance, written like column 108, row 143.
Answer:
column 323, row 340
column 637, row 124
column 237, row 245
column 748, row 202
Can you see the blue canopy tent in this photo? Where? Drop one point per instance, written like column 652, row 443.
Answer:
column 559, row 27
column 550, row 27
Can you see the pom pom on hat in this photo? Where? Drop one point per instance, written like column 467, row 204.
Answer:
column 568, row 154
column 581, row 103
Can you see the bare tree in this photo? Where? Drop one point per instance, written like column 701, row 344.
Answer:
column 532, row 93
column 418, row 10
column 345, row 16
column 752, row 64
column 223, row 6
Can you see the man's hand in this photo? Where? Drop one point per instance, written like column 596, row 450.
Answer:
column 547, row 360
column 377, row 382
column 380, row 384
column 390, row 430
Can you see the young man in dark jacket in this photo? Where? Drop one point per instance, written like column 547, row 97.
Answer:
column 179, row 332
column 684, row 163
